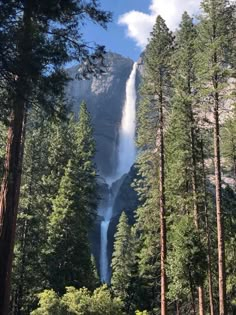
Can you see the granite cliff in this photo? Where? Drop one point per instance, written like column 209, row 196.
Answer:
column 105, row 96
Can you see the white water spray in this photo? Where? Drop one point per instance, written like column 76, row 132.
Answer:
column 107, row 214
column 127, row 148
column 126, row 158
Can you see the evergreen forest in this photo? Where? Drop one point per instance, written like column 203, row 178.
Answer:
column 177, row 254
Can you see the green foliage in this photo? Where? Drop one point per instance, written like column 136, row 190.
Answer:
column 49, row 304
column 61, row 142
column 123, row 263
column 181, row 139
column 229, row 204
column 212, row 46
column 40, row 38
column 73, row 211
column 228, row 141
column 155, row 91
column 79, row 302
column 58, row 198
column 28, row 267
column 187, row 259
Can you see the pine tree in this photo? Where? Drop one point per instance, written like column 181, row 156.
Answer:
column 61, row 143
column 28, row 266
column 122, row 261
column 187, row 261
column 213, row 41
column 72, row 214
column 69, row 255
column 147, row 230
column 157, row 74
column 37, row 38
column 182, row 136
column 84, row 152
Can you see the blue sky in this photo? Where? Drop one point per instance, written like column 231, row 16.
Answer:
column 115, row 38
column 133, row 21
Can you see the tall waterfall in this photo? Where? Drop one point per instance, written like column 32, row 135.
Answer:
column 126, row 158
column 127, row 148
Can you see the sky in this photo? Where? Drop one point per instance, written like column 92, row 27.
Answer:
column 133, row 21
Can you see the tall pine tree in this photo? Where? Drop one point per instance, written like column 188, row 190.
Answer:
column 73, row 211
column 157, row 75
column 213, row 73
column 182, row 136
column 123, row 262
column 37, row 40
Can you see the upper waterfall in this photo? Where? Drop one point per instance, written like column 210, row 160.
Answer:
column 126, row 147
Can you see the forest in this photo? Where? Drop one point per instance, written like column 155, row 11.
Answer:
column 178, row 255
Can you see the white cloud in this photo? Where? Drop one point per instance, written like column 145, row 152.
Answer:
column 139, row 24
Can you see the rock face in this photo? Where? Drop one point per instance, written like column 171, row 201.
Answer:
column 104, row 96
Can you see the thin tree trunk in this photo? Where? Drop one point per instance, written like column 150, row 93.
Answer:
column 162, row 209
column 196, row 214
column 177, row 308
column 195, row 197
column 210, row 285
column 20, row 289
column 234, row 166
column 192, row 293
column 9, row 199
column 219, row 211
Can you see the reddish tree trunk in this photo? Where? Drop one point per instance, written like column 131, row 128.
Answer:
column 201, row 301
column 196, row 215
column 195, row 195
column 210, row 285
column 192, row 294
column 219, row 212
column 10, row 189
column 162, row 211
column 9, row 199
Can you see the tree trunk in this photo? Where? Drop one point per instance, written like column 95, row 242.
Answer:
column 195, row 195
column 196, row 215
column 201, row 301
column 210, row 285
column 177, row 308
column 20, row 289
column 219, row 212
column 10, row 190
column 192, row 294
column 9, row 199
column 162, row 211
column 234, row 166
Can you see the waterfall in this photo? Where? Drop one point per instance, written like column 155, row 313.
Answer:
column 126, row 158
column 127, row 148
column 107, row 214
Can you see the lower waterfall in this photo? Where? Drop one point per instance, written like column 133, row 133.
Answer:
column 104, row 267
column 126, row 157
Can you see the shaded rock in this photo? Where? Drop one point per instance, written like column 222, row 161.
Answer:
column 105, row 97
